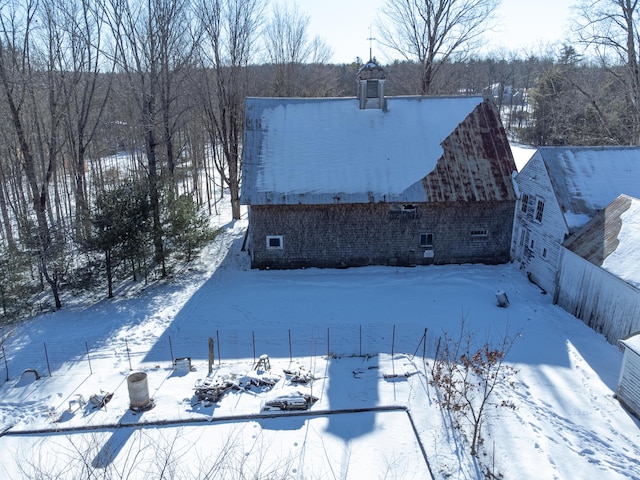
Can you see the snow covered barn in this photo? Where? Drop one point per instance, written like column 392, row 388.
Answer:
column 561, row 189
column 628, row 392
column 339, row 182
column 599, row 275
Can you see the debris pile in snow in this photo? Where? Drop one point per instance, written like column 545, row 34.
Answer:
column 299, row 375
column 212, row 389
column 290, row 400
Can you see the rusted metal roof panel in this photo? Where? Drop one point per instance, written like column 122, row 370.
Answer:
column 477, row 164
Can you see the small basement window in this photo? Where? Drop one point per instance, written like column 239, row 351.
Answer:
column 426, row 240
column 275, row 242
column 480, row 233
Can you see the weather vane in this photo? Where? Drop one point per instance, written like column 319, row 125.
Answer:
column 371, row 39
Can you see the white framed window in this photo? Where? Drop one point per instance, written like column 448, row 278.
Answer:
column 539, row 210
column 525, row 202
column 426, row 240
column 275, row 242
column 480, row 233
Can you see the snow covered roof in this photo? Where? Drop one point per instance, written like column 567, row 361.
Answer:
column 328, row 150
column 632, row 342
column 587, row 179
column 611, row 240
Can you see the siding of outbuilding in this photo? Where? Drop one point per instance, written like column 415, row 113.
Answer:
column 604, row 302
column 628, row 392
column 380, row 234
column 537, row 245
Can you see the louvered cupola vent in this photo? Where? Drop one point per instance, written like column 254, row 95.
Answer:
column 371, row 86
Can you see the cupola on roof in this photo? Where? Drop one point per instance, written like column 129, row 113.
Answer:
column 370, row 81
column 371, row 71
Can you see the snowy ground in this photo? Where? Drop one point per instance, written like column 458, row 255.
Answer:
column 358, row 331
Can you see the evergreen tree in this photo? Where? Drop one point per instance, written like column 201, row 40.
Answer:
column 188, row 229
column 121, row 227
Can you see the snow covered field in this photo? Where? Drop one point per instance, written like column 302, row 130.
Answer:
column 372, row 391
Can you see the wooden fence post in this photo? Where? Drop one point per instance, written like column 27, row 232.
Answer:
column 86, row 345
column 46, row 355
column 211, row 355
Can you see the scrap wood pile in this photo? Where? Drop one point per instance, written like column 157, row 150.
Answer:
column 261, row 379
column 213, row 389
column 299, row 375
column 293, row 400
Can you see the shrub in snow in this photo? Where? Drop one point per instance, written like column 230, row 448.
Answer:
column 466, row 376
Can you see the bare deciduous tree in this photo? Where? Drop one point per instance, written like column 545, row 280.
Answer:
column 288, row 48
column 609, row 28
column 149, row 49
column 77, row 26
column 35, row 100
column 230, row 29
column 432, row 32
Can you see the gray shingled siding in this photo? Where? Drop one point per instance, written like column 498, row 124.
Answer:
column 380, row 234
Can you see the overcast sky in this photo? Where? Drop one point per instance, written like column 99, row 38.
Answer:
column 522, row 25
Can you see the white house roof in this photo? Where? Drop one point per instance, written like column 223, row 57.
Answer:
column 587, row 179
column 632, row 342
column 624, row 261
column 318, row 150
column 611, row 240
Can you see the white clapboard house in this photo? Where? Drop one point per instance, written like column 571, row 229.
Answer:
column 628, row 392
column 560, row 190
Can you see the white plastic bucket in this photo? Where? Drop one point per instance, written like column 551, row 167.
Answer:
column 138, row 390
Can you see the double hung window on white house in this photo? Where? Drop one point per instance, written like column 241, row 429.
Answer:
column 539, row 210
column 275, row 242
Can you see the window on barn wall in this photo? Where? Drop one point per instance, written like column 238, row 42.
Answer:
column 426, row 240
column 480, row 233
column 539, row 210
column 275, row 242
column 525, row 202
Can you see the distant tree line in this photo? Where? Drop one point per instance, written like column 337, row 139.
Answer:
column 122, row 120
